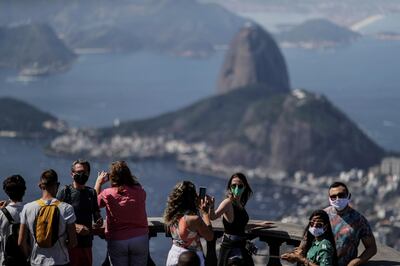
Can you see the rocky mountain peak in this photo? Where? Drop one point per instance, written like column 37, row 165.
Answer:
column 253, row 58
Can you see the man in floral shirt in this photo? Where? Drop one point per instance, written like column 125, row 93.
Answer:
column 349, row 227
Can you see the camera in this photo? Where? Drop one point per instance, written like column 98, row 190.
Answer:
column 251, row 247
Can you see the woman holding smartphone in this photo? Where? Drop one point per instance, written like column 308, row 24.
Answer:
column 235, row 218
column 126, row 224
column 182, row 219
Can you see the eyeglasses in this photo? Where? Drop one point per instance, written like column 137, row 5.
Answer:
column 240, row 186
column 316, row 224
column 339, row 195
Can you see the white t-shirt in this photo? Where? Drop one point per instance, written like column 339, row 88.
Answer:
column 57, row 254
column 14, row 208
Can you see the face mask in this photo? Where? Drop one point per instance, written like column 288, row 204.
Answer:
column 339, row 204
column 81, row 178
column 237, row 191
column 316, row 231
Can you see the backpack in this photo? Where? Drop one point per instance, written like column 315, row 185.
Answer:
column 46, row 224
column 13, row 255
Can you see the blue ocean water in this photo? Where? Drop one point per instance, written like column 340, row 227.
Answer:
column 361, row 79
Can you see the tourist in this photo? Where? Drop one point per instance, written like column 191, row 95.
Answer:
column 182, row 219
column 56, row 252
column 319, row 246
column 349, row 228
column 14, row 186
column 235, row 219
column 188, row 258
column 84, row 201
column 126, row 228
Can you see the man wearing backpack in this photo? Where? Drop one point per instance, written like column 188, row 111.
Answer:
column 84, row 201
column 50, row 225
column 10, row 253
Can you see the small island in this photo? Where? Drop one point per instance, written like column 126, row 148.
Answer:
column 316, row 34
column 33, row 49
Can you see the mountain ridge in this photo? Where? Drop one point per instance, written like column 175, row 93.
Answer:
column 258, row 126
column 21, row 119
column 33, row 49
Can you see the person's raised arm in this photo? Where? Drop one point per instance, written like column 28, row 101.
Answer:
column 225, row 208
column 202, row 224
column 369, row 252
column 96, row 211
column 101, row 179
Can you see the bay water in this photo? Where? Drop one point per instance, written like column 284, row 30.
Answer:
column 361, row 79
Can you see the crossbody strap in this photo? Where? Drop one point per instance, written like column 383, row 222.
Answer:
column 8, row 215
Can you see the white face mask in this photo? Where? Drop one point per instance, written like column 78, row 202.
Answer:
column 316, row 231
column 339, row 204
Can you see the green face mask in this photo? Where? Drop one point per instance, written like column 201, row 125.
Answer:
column 236, row 191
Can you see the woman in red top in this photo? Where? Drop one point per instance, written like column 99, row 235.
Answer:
column 126, row 220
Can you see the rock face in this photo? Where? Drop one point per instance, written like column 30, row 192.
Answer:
column 34, row 49
column 20, row 119
column 253, row 59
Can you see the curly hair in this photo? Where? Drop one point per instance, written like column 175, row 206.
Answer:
column 120, row 175
column 247, row 190
column 182, row 200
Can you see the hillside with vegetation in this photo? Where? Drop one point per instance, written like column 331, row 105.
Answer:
column 33, row 49
column 317, row 33
column 259, row 126
column 180, row 27
column 20, row 119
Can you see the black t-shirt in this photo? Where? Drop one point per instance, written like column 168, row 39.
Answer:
column 85, row 206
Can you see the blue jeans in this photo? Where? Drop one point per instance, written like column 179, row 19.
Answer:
column 133, row 251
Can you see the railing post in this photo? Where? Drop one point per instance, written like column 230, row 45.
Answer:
column 211, row 256
column 152, row 233
column 274, row 250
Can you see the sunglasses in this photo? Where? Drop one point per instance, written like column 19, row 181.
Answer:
column 240, row 186
column 339, row 195
column 316, row 224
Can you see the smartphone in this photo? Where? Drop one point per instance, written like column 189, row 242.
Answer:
column 202, row 192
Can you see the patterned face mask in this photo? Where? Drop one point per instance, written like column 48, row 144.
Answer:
column 339, row 204
column 316, row 231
